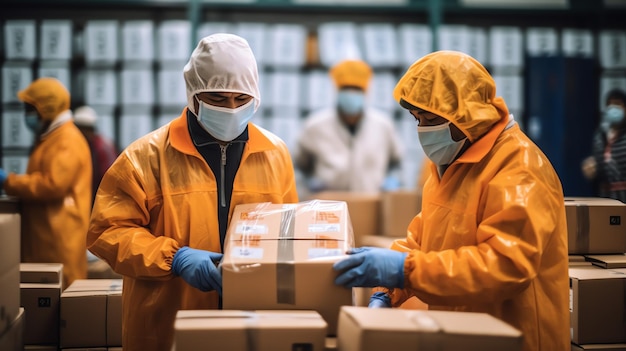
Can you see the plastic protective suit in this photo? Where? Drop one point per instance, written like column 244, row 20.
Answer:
column 55, row 192
column 492, row 234
column 160, row 195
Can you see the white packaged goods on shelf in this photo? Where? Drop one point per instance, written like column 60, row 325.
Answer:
column 15, row 77
column 511, row 88
column 478, row 47
column 577, row 42
column 285, row 123
column 165, row 119
column 208, row 28
column 133, row 127
column 612, row 47
column 380, row 45
column 609, row 82
column 138, row 41
column 173, row 41
column 320, row 91
column 137, row 86
column 407, row 129
column 20, row 39
column 288, row 43
column 106, row 124
column 416, row 40
column 542, row 41
column 101, row 87
column 454, row 37
column 506, row 46
column 379, row 91
column 56, row 69
column 171, row 87
column 256, row 35
column 338, row 41
column 285, row 89
column 56, row 40
column 15, row 163
column 101, row 42
column 14, row 130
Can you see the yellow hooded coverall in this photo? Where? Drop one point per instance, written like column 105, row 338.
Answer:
column 492, row 234
column 55, row 191
column 161, row 195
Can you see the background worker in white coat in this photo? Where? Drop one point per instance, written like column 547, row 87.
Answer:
column 492, row 234
column 163, row 207
column 351, row 146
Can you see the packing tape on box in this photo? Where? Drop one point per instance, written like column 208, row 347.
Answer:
column 285, row 273
column 582, row 227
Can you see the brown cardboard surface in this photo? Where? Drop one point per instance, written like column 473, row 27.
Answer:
column 284, row 275
column 9, row 297
column 397, row 210
column 603, row 347
column 12, row 339
column 597, row 305
column 42, row 303
column 86, row 315
column 9, row 241
column 236, row 330
column 595, row 225
column 44, row 273
column 363, row 329
column 377, row 241
column 608, row 261
column 40, row 348
column 364, row 209
column 576, row 258
column 315, row 219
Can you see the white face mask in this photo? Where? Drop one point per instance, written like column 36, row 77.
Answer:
column 224, row 123
column 438, row 144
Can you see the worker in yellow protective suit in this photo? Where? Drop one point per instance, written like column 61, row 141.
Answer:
column 55, row 192
column 491, row 236
column 162, row 210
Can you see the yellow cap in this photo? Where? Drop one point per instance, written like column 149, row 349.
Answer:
column 351, row 73
column 48, row 95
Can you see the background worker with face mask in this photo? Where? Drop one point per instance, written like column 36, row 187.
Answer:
column 606, row 168
column 492, row 235
column 349, row 147
column 162, row 210
column 55, row 192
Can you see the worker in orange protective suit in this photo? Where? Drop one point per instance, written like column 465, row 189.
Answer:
column 491, row 236
column 161, row 213
column 55, row 192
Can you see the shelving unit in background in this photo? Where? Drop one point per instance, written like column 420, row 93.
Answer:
column 296, row 82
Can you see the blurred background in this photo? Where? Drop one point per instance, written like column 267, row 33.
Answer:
column 552, row 60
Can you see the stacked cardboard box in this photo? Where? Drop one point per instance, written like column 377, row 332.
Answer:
column 11, row 316
column 40, row 294
column 236, row 330
column 597, row 242
column 365, row 329
column 91, row 314
column 280, row 257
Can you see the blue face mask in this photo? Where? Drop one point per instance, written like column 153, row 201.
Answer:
column 224, row 123
column 438, row 144
column 32, row 121
column 613, row 115
column 350, row 102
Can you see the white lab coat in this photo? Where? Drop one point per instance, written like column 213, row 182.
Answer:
column 345, row 162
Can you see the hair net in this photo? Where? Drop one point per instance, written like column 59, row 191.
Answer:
column 48, row 95
column 85, row 116
column 353, row 73
column 455, row 86
column 222, row 63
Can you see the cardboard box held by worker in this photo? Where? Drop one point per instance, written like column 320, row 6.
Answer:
column 280, row 257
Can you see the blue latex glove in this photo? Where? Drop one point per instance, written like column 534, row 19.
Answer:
column 198, row 268
column 370, row 267
column 3, row 177
column 379, row 300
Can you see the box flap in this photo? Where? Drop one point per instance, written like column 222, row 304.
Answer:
column 608, row 261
